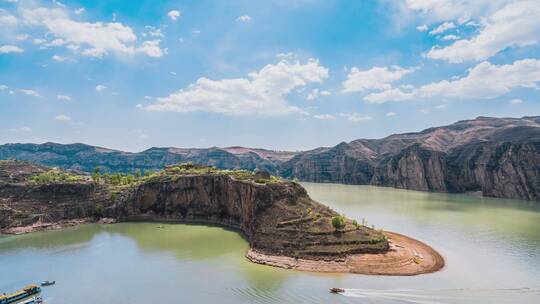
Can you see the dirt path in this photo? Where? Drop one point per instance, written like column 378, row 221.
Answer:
column 406, row 257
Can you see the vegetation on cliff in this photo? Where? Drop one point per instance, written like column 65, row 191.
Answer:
column 276, row 215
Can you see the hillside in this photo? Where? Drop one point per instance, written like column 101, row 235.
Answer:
column 498, row 157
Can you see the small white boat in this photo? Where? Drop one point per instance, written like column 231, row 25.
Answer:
column 32, row 300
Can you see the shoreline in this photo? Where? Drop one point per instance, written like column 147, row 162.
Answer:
column 406, row 257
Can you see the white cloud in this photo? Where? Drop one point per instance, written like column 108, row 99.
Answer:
column 487, row 80
column 462, row 10
column 450, row 37
column 63, row 118
column 21, row 129
column 390, row 94
column 174, row 14
column 195, row 32
column 515, row 25
column 261, row 93
column 315, row 93
column 62, row 58
column 100, row 88
column 442, row 28
column 29, row 92
column 377, row 78
column 22, row 37
column 6, row 49
column 390, row 114
column 3, row 87
column 424, row 111
column 324, row 116
column 516, row 101
column 152, row 49
column 7, row 20
column 244, row 18
column 355, row 117
column 79, row 11
column 63, row 97
column 484, row 81
column 93, row 39
column 422, row 28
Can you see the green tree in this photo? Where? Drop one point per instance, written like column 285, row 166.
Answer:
column 338, row 222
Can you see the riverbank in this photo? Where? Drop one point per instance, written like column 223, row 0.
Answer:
column 41, row 226
column 406, row 257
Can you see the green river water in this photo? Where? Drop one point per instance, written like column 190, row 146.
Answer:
column 491, row 247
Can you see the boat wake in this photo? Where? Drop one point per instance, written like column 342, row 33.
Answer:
column 444, row 296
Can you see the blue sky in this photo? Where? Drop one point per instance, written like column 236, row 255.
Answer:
column 289, row 75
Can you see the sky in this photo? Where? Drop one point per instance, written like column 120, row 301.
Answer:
column 282, row 74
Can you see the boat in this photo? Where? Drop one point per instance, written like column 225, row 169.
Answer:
column 48, row 283
column 20, row 294
column 32, row 300
column 337, row 290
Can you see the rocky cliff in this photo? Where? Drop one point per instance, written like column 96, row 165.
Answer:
column 276, row 216
column 495, row 157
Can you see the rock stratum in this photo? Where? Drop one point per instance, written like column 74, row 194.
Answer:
column 496, row 157
column 276, row 216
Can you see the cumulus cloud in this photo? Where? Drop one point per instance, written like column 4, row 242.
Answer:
column 516, row 101
column 29, row 92
column 100, row 88
column 355, row 117
column 484, row 81
column 324, row 116
column 63, row 118
column 390, row 114
column 376, row 78
column 63, row 97
column 91, row 39
column 422, row 28
column 450, row 37
column 462, row 10
column 6, row 49
column 261, row 93
column 174, row 14
column 442, row 28
column 515, row 25
column 7, row 20
column 244, row 18
column 315, row 93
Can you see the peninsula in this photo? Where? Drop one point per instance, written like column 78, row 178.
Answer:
column 283, row 225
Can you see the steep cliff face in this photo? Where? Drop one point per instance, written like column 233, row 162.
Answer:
column 489, row 156
column 495, row 157
column 276, row 216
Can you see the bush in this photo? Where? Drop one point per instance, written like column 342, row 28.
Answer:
column 338, row 222
column 99, row 210
column 355, row 223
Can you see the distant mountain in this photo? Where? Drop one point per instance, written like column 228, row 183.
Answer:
column 498, row 157
column 85, row 158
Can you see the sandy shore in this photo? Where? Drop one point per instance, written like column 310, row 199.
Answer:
column 406, row 257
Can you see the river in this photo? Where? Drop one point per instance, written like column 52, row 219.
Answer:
column 491, row 248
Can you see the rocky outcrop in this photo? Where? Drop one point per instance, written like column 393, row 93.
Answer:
column 495, row 157
column 276, row 216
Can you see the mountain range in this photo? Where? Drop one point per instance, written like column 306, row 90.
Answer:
column 497, row 157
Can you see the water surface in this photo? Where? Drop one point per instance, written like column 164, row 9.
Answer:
column 492, row 250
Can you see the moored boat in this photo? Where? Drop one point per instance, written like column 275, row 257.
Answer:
column 337, row 290
column 48, row 283
column 20, row 295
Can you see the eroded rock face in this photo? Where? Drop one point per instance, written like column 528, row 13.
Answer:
column 490, row 156
column 277, row 216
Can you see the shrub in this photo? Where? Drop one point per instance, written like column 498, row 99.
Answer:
column 355, row 223
column 99, row 210
column 338, row 222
